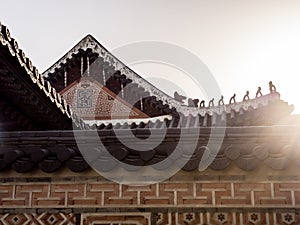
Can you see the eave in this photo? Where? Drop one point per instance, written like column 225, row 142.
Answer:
column 32, row 103
column 246, row 148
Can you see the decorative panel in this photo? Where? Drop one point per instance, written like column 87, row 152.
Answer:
column 116, row 219
column 91, row 100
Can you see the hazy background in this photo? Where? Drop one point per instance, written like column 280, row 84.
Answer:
column 245, row 44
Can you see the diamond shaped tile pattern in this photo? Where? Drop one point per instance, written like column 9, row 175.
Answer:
column 37, row 219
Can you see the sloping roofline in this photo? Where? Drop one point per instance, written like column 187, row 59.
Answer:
column 89, row 42
column 34, row 78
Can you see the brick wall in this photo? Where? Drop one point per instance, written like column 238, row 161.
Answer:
column 211, row 217
column 166, row 194
column 196, row 199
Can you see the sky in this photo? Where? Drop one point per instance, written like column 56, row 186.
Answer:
column 244, row 44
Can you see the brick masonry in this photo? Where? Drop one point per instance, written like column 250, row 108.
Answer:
column 166, row 194
column 166, row 203
column 211, row 217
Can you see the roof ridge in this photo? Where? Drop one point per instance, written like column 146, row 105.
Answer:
column 90, row 42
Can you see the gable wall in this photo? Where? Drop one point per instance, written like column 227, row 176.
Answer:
column 90, row 100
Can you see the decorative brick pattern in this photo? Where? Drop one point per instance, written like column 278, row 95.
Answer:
column 228, row 218
column 37, row 219
column 193, row 194
column 211, row 217
column 116, row 219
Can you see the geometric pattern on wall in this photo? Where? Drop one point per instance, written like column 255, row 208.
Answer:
column 91, row 100
column 228, row 218
column 116, row 219
column 209, row 217
column 37, row 219
column 165, row 194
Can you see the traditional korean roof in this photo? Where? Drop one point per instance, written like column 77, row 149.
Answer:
column 26, row 81
column 273, row 147
column 88, row 52
column 155, row 102
column 27, row 101
column 40, row 120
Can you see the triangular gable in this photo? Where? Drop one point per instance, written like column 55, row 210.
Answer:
column 90, row 49
column 92, row 101
column 112, row 74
